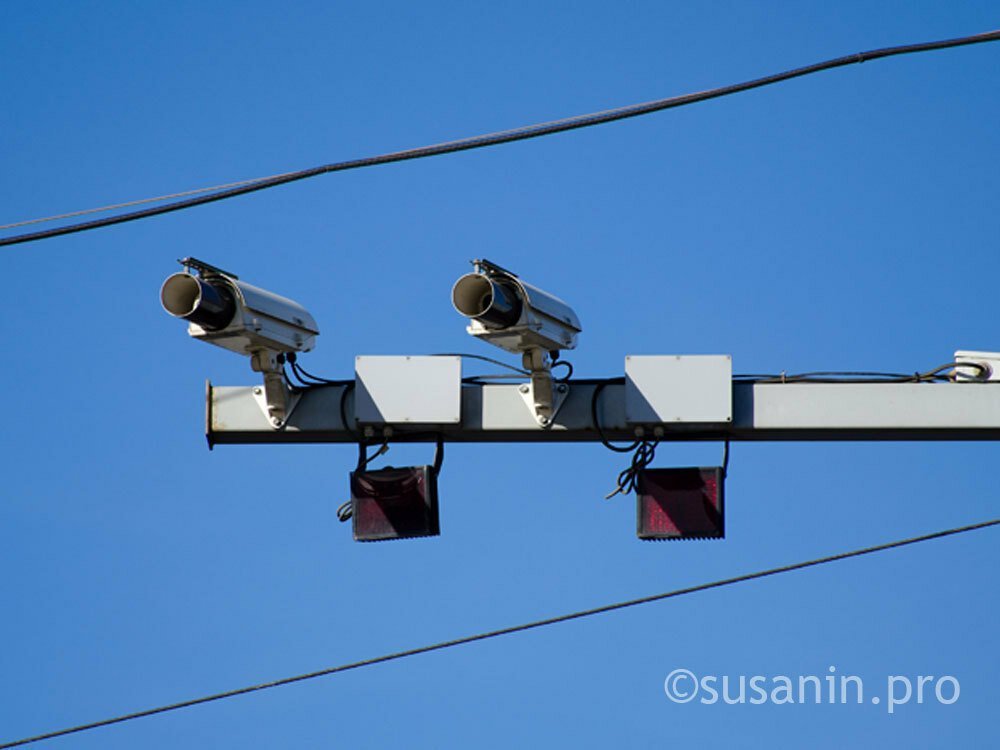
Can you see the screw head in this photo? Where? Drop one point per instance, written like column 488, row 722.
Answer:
column 256, row 391
column 523, row 389
column 276, row 422
column 543, row 421
column 561, row 388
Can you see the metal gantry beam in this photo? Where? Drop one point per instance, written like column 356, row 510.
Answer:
column 495, row 413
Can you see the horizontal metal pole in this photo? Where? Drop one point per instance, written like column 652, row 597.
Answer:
column 761, row 411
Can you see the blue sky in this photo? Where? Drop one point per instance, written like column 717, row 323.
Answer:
column 842, row 221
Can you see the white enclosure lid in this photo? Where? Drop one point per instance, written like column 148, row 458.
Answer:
column 408, row 390
column 679, row 389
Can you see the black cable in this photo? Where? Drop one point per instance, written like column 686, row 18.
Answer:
column 304, row 379
column 304, row 375
column 835, row 376
column 569, row 370
column 481, row 358
column 301, row 382
column 364, row 459
column 316, row 380
column 438, row 455
column 506, row 631
column 295, row 386
column 935, row 373
column 507, row 136
column 827, row 376
column 597, row 422
column 628, row 479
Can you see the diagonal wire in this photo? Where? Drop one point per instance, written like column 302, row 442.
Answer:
column 506, row 136
column 506, row 631
column 141, row 201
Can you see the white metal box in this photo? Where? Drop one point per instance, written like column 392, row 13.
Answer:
column 679, row 389
column 408, row 390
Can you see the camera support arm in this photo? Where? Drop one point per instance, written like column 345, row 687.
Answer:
column 542, row 395
column 276, row 399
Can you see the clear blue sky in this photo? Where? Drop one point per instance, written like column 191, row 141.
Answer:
column 844, row 221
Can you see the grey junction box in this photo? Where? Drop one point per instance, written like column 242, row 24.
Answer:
column 694, row 388
column 408, row 390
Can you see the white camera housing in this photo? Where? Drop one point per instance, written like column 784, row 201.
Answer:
column 510, row 313
column 224, row 311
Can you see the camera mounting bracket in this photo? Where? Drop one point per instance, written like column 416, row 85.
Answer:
column 541, row 395
column 275, row 399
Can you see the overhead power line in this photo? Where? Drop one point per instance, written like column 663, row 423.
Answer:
column 139, row 202
column 505, row 631
column 491, row 139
